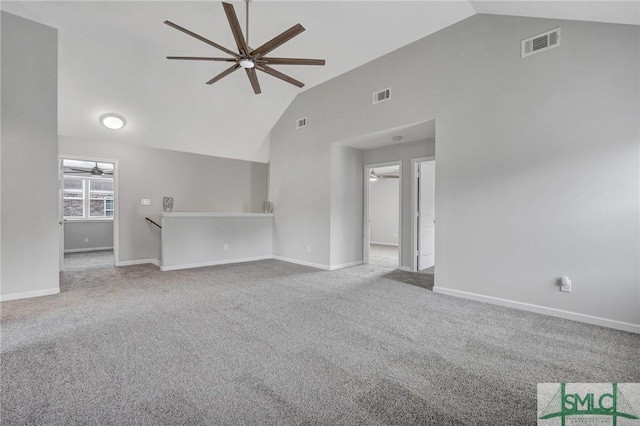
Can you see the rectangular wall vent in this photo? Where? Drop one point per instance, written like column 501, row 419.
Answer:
column 540, row 43
column 381, row 96
column 301, row 122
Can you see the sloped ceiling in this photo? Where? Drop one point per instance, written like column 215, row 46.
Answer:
column 112, row 59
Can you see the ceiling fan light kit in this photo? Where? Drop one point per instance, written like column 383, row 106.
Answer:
column 247, row 58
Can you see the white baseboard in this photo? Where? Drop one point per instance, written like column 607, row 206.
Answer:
column 87, row 249
column 302, row 262
column 345, row 265
column 213, row 263
column 28, row 294
column 138, row 262
column 589, row 319
column 378, row 243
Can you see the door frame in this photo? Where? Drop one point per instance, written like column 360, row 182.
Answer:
column 366, row 240
column 116, row 200
column 414, row 207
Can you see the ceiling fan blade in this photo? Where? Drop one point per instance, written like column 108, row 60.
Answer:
column 235, row 28
column 278, row 40
column 291, row 61
column 278, row 74
column 224, row 73
column 199, row 37
column 253, row 78
column 200, row 58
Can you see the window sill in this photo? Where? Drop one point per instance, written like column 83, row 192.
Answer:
column 69, row 220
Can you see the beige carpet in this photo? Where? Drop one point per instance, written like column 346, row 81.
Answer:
column 274, row 343
column 88, row 259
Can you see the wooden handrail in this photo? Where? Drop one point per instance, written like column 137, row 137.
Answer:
column 150, row 221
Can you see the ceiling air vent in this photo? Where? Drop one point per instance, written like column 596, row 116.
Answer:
column 381, row 96
column 540, row 43
column 301, row 122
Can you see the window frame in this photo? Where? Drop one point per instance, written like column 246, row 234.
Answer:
column 86, row 199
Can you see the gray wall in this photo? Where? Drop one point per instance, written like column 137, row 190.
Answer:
column 29, row 222
column 99, row 234
column 538, row 159
column 195, row 241
column 404, row 153
column 384, row 211
column 346, row 205
column 197, row 183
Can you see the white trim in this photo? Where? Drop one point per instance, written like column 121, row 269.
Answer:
column 88, row 249
column 138, row 262
column 213, row 263
column 29, row 294
column 405, row 268
column 94, row 220
column 302, row 262
column 205, row 214
column 345, row 265
column 380, row 243
column 589, row 319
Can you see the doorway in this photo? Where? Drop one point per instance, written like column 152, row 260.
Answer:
column 383, row 214
column 424, row 220
column 87, row 209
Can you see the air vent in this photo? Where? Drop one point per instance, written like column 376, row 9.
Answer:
column 301, row 122
column 540, row 43
column 381, row 96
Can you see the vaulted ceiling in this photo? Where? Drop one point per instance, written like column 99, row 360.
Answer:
column 112, row 58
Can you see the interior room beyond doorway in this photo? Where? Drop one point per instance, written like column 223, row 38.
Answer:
column 87, row 211
column 384, row 215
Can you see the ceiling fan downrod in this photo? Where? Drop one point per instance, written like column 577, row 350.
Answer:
column 247, row 22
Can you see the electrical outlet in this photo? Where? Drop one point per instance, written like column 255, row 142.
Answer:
column 145, row 202
column 226, row 247
column 308, row 249
column 86, row 240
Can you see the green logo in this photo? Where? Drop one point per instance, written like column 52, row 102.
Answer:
column 586, row 401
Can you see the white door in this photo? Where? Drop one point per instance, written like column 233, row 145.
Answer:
column 61, row 213
column 426, row 214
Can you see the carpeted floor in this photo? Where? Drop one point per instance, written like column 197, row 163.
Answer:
column 386, row 256
column 274, row 343
column 88, row 259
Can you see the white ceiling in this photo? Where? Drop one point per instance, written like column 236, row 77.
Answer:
column 387, row 170
column 112, row 59
column 411, row 133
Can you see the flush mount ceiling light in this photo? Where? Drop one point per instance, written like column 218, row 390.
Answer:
column 112, row 121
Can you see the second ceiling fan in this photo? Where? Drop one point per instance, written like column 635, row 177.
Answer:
column 246, row 57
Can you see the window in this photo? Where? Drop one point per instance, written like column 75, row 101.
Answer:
column 101, row 197
column 73, row 197
column 88, row 198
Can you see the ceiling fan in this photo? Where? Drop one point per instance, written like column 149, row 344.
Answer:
column 95, row 171
column 375, row 176
column 248, row 58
